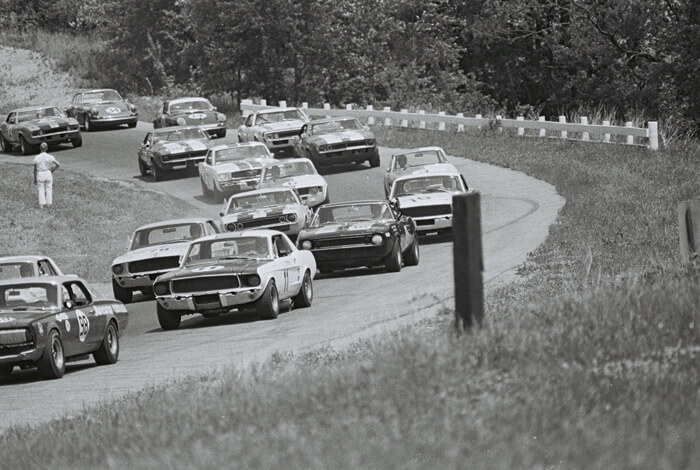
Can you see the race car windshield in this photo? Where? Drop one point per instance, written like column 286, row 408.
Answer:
column 16, row 270
column 228, row 248
column 166, row 234
column 288, row 170
column 240, row 153
column 352, row 213
column 260, row 200
column 413, row 159
column 425, row 185
column 335, row 126
column 28, row 296
column 180, row 134
column 279, row 116
column 39, row 113
column 197, row 105
column 103, row 96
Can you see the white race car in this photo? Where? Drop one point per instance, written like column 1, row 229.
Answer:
column 299, row 174
column 13, row 267
column 274, row 208
column 427, row 198
column 275, row 127
column 155, row 249
column 416, row 161
column 232, row 168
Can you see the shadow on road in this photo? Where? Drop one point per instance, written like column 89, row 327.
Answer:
column 26, row 376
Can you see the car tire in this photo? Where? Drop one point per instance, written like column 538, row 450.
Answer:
column 5, row 144
column 132, row 125
column 88, row 125
column 109, row 349
column 52, row 364
column 206, row 192
column 143, row 169
column 26, row 147
column 268, row 305
column 168, row 319
column 306, row 292
column 393, row 260
column 6, row 371
column 218, row 195
column 412, row 256
column 156, row 172
column 374, row 160
column 77, row 141
column 122, row 294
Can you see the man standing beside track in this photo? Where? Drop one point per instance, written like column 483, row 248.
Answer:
column 44, row 166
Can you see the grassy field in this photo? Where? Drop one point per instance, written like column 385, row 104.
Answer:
column 591, row 361
column 84, row 230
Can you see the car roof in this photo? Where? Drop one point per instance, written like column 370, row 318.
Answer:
column 186, row 220
column 42, row 279
column 165, row 130
column 363, row 201
column 259, row 233
column 418, row 149
column 332, row 119
column 427, row 175
column 188, row 98
column 32, row 108
column 289, row 160
column 94, row 90
column 32, row 258
column 275, row 110
column 276, row 189
column 216, row 148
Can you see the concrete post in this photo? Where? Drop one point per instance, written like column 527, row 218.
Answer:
column 653, row 130
column 564, row 134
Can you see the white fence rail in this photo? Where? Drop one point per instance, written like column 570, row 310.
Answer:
column 420, row 120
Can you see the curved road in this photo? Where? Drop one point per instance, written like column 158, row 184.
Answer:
column 516, row 213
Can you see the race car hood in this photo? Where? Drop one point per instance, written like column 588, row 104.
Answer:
column 23, row 318
column 302, row 181
column 359, row 227
column 46, row 124
column 111, row 108
column 282, row 126
column 218, row 267
column 425, row 199
column 339, row 137
column 181, row 146
column 241, row 165
column 272, row 211
column 150, row 252
column 198, row 117
column 421, row 170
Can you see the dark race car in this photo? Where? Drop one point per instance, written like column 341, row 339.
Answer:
column 191, row 112
column 172, row 148
column 360, row 233
column 29, row 127
column 337, row 140
column 102, row 108
column 48, row 321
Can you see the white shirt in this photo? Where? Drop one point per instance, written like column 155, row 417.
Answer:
column 44, row 161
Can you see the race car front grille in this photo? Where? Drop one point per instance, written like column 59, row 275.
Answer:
column 341, row 241
column 261, row 222
column 286, row 134
column 427, row 211
column 245, row 174
column 14, row 337
column 196, row 155
column 154, row 264
column 204, row 284
column 344, row 145
column 55, row 130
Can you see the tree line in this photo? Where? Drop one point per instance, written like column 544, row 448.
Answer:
column 633, row 57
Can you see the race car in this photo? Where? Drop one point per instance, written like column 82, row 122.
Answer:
column 172, row 148
column 13, row 267
column 276, row 208
column 231, row 168
column 275, row 127
column 299, row 174
column 102, row 108
column 361, row 233
column 427, row 198
column 155, row 249
column 29, row 127
column 337, row 140
column 48, row 321
column 416, row 161
column 192, row 112
column 252, row 269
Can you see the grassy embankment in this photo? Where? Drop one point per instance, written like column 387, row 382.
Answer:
column 589, row 362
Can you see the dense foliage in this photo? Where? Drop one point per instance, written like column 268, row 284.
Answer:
column 631, row 56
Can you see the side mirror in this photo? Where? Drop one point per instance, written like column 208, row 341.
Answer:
column 214, row 108
column 68, row 304
column 394, row 203
column 221, row 213
column 365, row 128
column 129, row 241
column 302, row 135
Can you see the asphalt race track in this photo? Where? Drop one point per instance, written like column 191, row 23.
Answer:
column 516, row 213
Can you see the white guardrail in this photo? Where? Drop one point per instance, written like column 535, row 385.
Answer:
column 421, row 118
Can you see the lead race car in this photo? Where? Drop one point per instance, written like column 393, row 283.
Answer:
column 414, row 162
column 275, row 127
column 361, row 233
column 48, row 321
column 29, row 127
column 102, row 108
column 299, row 174
column 172, row 148
column 252, row 269
column 192, row 111
column 155, row 249
column 232, row 168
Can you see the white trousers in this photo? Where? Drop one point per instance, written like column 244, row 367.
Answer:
column 44, row 182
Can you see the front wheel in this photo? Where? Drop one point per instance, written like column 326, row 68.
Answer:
column 156, row 172
column 306, row 293
column 268, row 305
column 374, row 160
column 168, row 319
column 52, row 364
column 25, row 146
column 413, row 253
column 6, row 371
column 77, row 142
column 122, row 294
column 132, row 125
column 88, row 125
column 143, row 169
column 394, row 259
column 109, row 349
column 205, row 190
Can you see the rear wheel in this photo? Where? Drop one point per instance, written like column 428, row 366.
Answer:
column 394, row 259
column 52, row 364
column 412, row 254
column 306, row 293
column 109, row 349
column 5, row 144
column 77, row 141
column 122, row 294
column 268, row 305
column 168, row 319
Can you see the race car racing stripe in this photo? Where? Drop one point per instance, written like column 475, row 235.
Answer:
column 196, row 144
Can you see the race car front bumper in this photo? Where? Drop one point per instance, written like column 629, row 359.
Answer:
column 108, row 121
column 433, row 223
column 137, row 281
column 202, row 302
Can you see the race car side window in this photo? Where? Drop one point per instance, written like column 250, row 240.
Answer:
column 249, row 121
column 281, row 245
column 45, row 268
column 147, row 139
column 78, row 293
column 11, row 118
column 212, row 228
column 77, row 100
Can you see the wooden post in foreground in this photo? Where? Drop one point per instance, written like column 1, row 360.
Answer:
column 689, row 229
column 468, row 259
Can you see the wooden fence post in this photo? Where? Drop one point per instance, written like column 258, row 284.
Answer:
column 421, row 124
column 245, row 113
column 370, row 120
column 543, row 132
column 282, row 104
column 653, row 129
column 468, row 259
column 630, row 138
column 606, row 136
column 327, row 106
column 584, row 135
column 498, row 122
column 441, row 124
column 387, row 121
column 404, row 122
column 689, row 229
column 460, row 127
column 478, row 116
column 521, row 130
column 562, row 119
column 263, row 102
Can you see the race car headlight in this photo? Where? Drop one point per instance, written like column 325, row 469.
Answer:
column 132, row 108
column 267, row 137
column 369, row 142
column 307, row 245
column 181, row 121
column 322, row 148
column 250, row 280
column 231, row 227
column 291, row 217
column 94, row 111
column 221, row 117
column 314, row 191
column 117, row 269
column 223, row 176
column 165, row 158
column 74, row 127
column 377, row 239
column 161, row 288
column 283, row 219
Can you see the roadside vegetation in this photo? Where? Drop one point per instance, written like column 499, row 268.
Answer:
column 590, row 361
